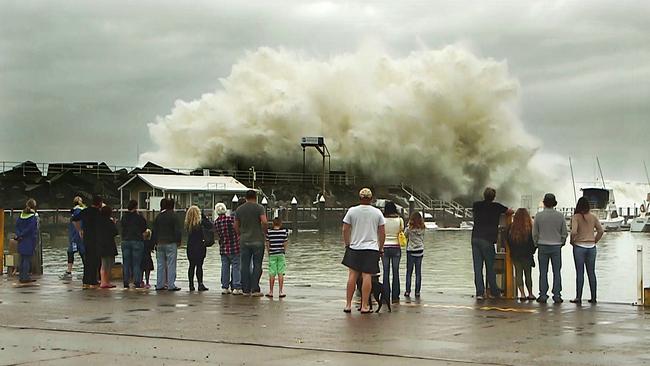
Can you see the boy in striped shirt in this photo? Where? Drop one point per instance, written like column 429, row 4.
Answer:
column 276, row 245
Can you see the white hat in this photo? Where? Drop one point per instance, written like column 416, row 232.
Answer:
column 365, row 193
column 220, row 208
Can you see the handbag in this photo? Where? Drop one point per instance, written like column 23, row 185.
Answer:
column 401, row 237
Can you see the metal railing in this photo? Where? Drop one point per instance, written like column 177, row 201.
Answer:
column 428, row 203
column 105, row 170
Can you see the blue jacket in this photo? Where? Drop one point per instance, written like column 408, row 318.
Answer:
column 27, row 233
column 74, row 239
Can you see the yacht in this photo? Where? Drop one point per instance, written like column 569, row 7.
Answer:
column 641, row 224
column 604, row 207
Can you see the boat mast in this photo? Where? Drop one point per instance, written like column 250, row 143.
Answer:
column 573, row 179
column 601, row 173
column 647, row 177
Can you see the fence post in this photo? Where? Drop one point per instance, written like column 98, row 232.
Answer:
column 2, row 240
column 639, row 275
column 233, row 203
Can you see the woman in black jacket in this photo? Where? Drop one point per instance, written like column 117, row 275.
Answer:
column 522, row 248
column 196, row 250
column 106, row 233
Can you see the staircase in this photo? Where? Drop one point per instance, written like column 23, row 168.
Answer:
column 427, row 203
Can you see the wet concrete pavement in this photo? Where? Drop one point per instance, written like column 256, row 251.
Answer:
column 56, row 323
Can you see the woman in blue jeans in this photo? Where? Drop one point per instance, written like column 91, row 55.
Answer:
column 586, row 232
column 392, row 251
column 414, row 252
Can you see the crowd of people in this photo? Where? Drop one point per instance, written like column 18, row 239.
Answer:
column 370, row 236
column 243, row 237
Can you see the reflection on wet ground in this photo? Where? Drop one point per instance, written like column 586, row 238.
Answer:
column 314, row 260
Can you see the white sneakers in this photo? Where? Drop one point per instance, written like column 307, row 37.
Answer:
column 225, row 291
column 237, row 291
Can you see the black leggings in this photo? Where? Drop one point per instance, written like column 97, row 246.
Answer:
column 198, row 265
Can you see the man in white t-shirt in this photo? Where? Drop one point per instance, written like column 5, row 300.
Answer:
column 363, row 235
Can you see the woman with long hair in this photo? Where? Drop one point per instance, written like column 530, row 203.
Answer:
column 586, row 232
column 106, row 233
column 196, row 250
column 414, row 252
column 522, row 248
column 392, row 251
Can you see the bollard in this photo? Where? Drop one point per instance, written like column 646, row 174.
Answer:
column 294, row 216
column 639, row 275
column 321, row 213
column 2, row 240
column 411, row 205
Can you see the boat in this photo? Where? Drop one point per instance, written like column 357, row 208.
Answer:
column 641, row 224
column 604, row 207
column 429, row 224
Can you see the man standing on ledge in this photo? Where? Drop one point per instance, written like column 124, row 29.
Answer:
column 484, row 235
column 549, row 234
column 251, row 226
column 363, row 235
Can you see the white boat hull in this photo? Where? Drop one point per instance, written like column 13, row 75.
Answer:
column 613, row 224
column 640, row 225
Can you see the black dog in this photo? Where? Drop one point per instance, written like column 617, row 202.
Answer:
column 377, row 291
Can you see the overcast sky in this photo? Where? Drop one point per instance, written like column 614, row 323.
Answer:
column 79, row 80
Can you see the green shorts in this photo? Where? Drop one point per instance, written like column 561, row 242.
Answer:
column 277, row 265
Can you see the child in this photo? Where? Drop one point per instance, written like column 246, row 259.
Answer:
column 147, row 262
column 276, row 245
column 414, row 252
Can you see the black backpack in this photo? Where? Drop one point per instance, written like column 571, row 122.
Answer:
column 208, row 233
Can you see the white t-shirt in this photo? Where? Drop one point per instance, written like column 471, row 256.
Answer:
column 365, row 220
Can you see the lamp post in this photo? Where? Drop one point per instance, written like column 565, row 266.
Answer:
column 294, row 215
column 265, row 203
column 233, row 202
column 254, row 175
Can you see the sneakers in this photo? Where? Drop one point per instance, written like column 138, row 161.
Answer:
column 237, row 291
column 66, row 276
column 480, row 297
column 203, row 288
column 226, row 291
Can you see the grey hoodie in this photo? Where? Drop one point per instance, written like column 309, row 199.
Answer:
column 415, row 239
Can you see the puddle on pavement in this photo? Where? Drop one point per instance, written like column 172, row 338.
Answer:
column 102, row 320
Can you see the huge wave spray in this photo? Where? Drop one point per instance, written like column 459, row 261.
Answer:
column 443, row 120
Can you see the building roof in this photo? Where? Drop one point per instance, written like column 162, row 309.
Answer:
column 190, row 183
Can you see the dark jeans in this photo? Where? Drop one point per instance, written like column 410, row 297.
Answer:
column 483, row 252
column 391, row 260
column 413, row 261
column 252, row 255
column 91, row 269
column 25, row 267
column 585, row 257
column 196, row 264
column 554, row 254
column 132, row 252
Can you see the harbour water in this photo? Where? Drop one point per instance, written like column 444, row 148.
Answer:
column 314, row 260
